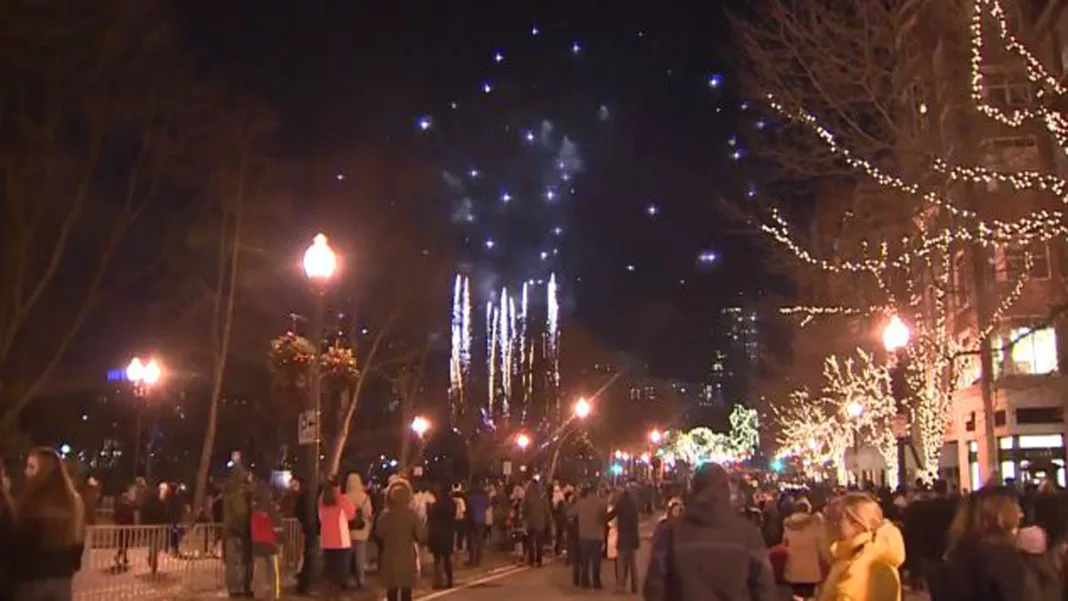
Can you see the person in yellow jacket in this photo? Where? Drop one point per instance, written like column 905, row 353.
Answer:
column 867, row 555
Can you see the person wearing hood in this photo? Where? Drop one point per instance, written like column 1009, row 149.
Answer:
column 401, row 532
column 359, row 526
column 867, row 555
column 710, row 552
column 808, row 551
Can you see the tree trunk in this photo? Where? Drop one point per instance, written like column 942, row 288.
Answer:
column 337, row 448
column 222, row 322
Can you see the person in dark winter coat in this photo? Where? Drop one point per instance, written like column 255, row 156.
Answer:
column 400, row 530
column 535, row 513
column 983, row 563
column 441, row 535
column 625, row 513
column 478, row 505
column 156, row 512
column 710, row 552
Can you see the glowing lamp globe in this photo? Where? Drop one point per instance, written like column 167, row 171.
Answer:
column 896, row 335
column 320, row 262
column 420, row 425
column 135, row 371
column 151, row 373
column 582, row 409
column 854, row 409
column 656, row 436
column 522, row 441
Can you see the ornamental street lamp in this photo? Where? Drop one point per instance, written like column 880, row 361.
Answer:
column 896, row 339
column 582, row 408
column 320, row 263
column 420, row 425
column 522, row 441
column 655, row 436
column 579, row 411
column 144, row 376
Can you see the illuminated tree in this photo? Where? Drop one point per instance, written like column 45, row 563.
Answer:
column 846, row 78
column 702, row 445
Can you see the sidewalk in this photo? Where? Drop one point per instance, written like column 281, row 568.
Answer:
column 493, row 563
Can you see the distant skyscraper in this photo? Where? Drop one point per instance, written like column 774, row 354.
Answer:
column 734, row 362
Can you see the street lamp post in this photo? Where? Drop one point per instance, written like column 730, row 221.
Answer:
column 320, row 263
column 580, row 411
column 420, row 426
column 896, row 339
column 522, row 442
column 655, row 438
column 143, row 376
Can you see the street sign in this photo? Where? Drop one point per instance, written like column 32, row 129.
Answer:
column 506, row 467
column 900, row 425
column 308, row 427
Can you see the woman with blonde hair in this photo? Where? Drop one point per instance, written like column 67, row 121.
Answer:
column 49, row 531
column 866, row 556
column 983, row 562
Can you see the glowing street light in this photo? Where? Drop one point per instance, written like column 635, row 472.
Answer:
column 582, row 408
column 320, row 261
column 854, row 409
column 619, row 454
column 144, row 374
column 420, row 426
column 656, row 436
column 522, row 441
column 896, row 335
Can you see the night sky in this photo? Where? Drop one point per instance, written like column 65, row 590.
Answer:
column 570, row 137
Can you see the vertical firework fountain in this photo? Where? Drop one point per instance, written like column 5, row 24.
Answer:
column 552, row 336
column 511, row 356
column 456, row 360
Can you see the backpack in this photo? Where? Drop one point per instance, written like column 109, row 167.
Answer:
column 358, row 521
column 262, row 529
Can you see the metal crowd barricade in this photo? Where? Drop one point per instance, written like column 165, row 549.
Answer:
column 162, row 562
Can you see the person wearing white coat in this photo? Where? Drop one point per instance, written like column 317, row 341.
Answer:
column 359, row 527
column 809, row 551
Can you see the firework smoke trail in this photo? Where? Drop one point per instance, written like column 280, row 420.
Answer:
column 553, row 335
column 457, row 335
column 491, row 354
column 505, row 342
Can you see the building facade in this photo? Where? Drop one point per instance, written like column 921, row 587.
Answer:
column 1023, row 389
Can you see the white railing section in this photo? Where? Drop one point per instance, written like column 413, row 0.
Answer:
column 162, row 562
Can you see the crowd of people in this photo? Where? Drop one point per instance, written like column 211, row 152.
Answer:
column 716, row 541
column 1001, row 543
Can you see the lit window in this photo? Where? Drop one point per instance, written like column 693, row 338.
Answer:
column 1042, row 441
column 1008, row 469
column 1005, row 442
column 1033, row 351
